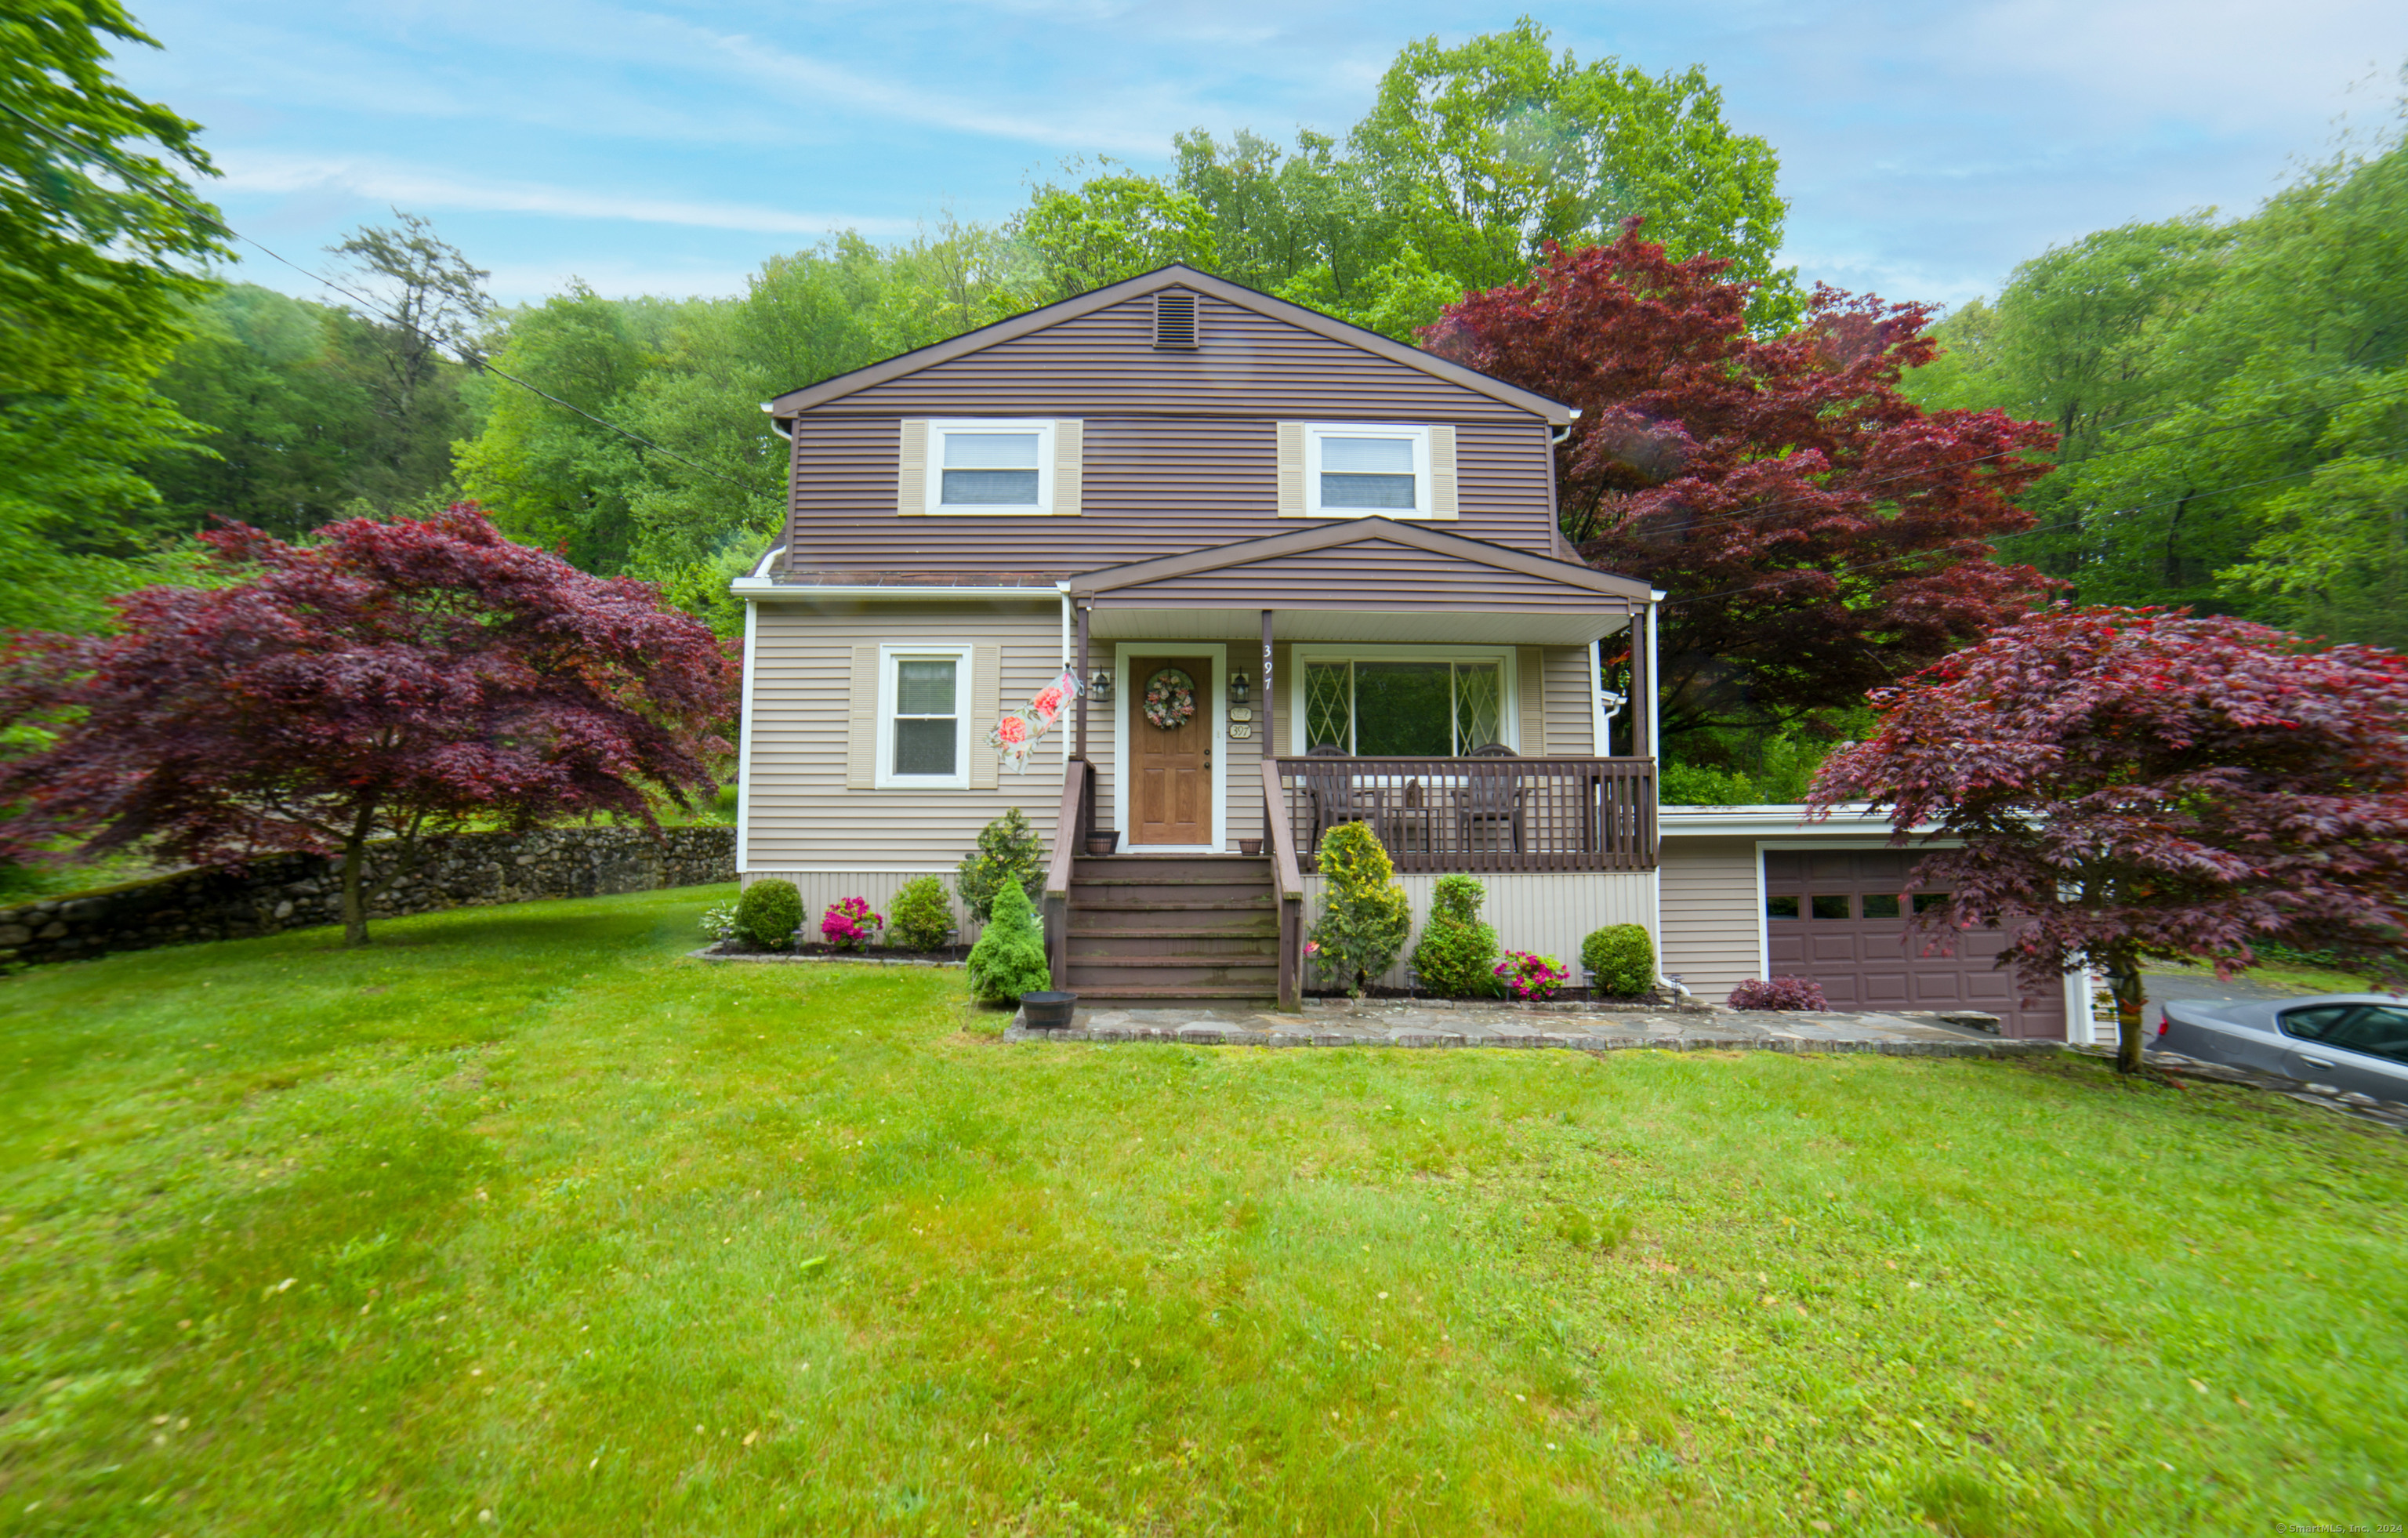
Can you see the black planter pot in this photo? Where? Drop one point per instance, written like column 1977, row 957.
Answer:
column 1103, row 840
column 1047, row 1011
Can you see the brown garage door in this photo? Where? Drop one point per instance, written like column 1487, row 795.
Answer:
column 1838, row 917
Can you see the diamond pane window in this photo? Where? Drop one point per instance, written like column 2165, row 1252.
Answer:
column 1329, row 705
column 1479, row 701
column 1404, row 709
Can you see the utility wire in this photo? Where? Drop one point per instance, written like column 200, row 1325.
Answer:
column 204, row 213
column 2071, row 523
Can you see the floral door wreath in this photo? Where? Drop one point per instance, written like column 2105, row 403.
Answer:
column 1169, row 698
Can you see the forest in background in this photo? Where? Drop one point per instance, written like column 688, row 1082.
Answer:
column 2228, row 392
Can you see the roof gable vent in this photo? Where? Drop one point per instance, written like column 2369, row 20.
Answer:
column 1174, row 321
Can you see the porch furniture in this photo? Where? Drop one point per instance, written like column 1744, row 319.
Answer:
column 1329, row 795
column 1489, row 805
column 1490, row 811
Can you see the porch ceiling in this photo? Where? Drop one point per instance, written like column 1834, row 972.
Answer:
column 1560, row 627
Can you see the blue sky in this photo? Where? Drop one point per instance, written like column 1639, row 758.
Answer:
column 668, row 146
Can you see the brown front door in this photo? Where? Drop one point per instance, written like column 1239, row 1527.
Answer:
column 1170, row 772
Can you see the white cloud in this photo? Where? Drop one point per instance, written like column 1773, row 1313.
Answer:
column 265, row 171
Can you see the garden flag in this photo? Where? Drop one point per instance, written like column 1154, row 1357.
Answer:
column 1022, row 729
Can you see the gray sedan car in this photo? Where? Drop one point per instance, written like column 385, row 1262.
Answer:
column 2351, row 1040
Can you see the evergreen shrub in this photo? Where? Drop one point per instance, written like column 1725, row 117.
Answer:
column 1621, row 960
column 1009, row 956
column 1008, row 853
column 768, row 913
column 1365, row 916
column 923, row 919
column 1457, row 954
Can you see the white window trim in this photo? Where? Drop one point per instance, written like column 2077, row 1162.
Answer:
column 1041, row 426
column 888, row 656
column 1508, row 660
column 1424, row 498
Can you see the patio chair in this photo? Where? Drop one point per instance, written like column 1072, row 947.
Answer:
column 1328, row 794
column 1492, row 802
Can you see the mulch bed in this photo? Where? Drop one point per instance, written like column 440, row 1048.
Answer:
column 821, row 949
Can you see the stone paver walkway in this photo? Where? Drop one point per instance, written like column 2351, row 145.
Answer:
column 1425, row 1025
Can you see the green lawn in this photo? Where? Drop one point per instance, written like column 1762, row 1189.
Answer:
column 520, row 1222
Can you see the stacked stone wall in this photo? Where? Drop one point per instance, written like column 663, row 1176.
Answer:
column 299, row 891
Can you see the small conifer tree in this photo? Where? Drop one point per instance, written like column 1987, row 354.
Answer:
column 1365, row 916
column 1457, row 954
column 1009, row 956
column 1009, row 851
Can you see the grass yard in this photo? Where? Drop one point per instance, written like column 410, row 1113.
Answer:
column 519, row 1222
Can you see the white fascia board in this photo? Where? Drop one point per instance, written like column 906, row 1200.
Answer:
column 752, row 588
column 1856, row 820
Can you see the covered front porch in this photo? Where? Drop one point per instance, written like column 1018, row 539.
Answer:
column 1448, row 692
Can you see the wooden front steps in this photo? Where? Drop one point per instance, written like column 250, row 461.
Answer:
column 1147, row 930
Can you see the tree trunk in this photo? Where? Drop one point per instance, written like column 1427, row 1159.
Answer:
column 356, row 904
column 2124, row 977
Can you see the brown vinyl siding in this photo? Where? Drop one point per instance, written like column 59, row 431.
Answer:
column 799, row 813
column 1247, row 365
column 1571, row 723
column 1153, row 486
column 1709, row 913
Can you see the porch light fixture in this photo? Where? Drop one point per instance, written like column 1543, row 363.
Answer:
column 1099, row 685
column 1241, row 685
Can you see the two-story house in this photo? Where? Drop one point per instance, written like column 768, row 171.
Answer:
column 1310, row 575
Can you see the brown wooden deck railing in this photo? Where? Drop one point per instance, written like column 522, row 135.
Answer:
column 1076, row 819
column 1287, row 879
column 1476, row 814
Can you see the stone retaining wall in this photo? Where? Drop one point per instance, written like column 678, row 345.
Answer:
column 298, row 891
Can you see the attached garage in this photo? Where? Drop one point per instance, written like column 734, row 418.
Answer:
column 1759, row 892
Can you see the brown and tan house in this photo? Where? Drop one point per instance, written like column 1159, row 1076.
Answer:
column 1337, row 554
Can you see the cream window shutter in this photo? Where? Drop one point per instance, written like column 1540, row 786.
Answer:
column 912, row 471
column 1291, row 470
column 1441, row 441
column 861, row 721
column 1533, row 690
column 986, row 709
column 1069, row 467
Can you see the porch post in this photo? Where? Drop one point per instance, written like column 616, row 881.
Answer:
column 1642, row 709
column 1078, row 731
column 1270, row 696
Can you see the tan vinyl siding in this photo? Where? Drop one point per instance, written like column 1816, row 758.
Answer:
column 1709, row 913
column 1550, row 914
column 804, row 810
column 1571, row 724
column 1150, row 486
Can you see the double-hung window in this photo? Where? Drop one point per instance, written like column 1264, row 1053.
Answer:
column 923, row 692
column 1367, row 470
column 1398, row 706
column 1003, row 466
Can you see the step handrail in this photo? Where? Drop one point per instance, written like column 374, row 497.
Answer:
column 1289, row 882
column 1070, row 827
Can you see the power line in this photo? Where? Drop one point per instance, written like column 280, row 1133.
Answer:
column 2071, row 523
column 207, row 215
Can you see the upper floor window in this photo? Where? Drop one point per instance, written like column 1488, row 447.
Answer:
column 989, row 467
column 1357, row 471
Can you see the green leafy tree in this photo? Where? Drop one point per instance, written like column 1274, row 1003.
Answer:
column 1009, row 956
column 1365, row 915
column 1112, row 225
column 100, row 236
column 1456, row 955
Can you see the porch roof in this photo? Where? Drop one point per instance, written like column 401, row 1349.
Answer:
column 1366, row 579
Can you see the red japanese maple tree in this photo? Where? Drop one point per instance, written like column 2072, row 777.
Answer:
column 1820, row 534
column 2136, row 783
column 388, row 679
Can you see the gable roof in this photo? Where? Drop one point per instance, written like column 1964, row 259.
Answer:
column 1355, row 531
column 1174, row 276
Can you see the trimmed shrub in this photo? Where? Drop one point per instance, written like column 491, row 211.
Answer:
column 1621, row 960
column 850, row 926
column 1457, row 954
column 1779, row 993
column 1365, row 916
column 1009, row 956
column 1009, row 851
column 768, row 913
column 923, row 920
column 1527, row 974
